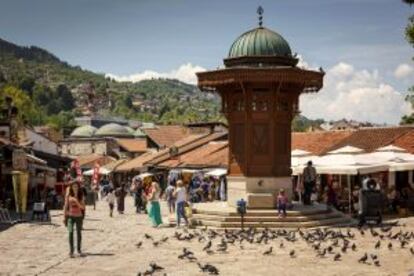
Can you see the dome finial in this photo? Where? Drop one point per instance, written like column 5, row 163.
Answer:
column 260, row 13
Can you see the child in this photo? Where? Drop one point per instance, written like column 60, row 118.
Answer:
column 169, row 196
column 110, row 198
column 282, row 201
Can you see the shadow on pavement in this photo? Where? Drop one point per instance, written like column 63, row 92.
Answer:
column 93, row 219
column 92, row 229
column 99, row 254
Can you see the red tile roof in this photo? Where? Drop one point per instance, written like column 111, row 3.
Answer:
column 369, row 139
column 187, row 145
column 406, row 141
column 166, row 135
column 133, row 145
column 210, row 154
column 318, row 142
column 137, row 163
column 87, row 161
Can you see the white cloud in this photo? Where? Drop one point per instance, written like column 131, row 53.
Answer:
column 184, row 73
column 355, row 94
column 403, row 70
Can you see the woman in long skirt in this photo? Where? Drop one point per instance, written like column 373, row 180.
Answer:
column 154, row 210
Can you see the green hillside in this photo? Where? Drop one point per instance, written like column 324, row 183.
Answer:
column 46, row 80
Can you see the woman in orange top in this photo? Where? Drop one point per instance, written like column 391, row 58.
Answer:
column 73, row 211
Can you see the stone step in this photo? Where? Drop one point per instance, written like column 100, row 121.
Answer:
column 337, row 221
column 261, row 213
column 267, row 218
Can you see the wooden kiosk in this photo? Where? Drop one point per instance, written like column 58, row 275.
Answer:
column 260, row 87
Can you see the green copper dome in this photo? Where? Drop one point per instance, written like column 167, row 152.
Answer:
column 83, row 131
column 139, row 133
column 130, row 130
column 113, row 130
column 260, row 42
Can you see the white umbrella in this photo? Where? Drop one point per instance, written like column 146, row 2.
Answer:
column 143, row 175
column 391, row 153
column 102, row 170
column 217, row 172
column 299, row 152
column 348, row 156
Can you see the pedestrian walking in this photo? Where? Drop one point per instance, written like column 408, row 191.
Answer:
column 73, row 213
column 309, row 181
column 154, row 210
column 180, row 194
column 110, row 198
column 120, row 194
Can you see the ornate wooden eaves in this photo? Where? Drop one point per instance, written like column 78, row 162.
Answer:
column 311, row 81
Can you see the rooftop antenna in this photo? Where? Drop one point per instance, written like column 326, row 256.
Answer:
column 260, row 13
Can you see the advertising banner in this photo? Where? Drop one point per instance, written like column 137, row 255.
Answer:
column 20, row 186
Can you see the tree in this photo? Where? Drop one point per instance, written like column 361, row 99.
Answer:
column 65, row 119
column 67, row 102
column 27, row 84
column 409, row 34
column 42, row 95
column 28, row 111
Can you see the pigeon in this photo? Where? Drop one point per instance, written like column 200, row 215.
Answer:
column 292, row 253
column 412, row 251
column 185, row 254
column 191, row 258
column 268, row 252
column 156, row 243
column 353, row 247
column 139, row 244
column 337, row 257
column 208, row 246
column 209, row 269
column 378, row 245
column 389, row 246
column 374, row 257
column 155, row 267
column 377, row 263
column 386, row 229
column 164, row 239
column 148, row 237
column 281, row 245
column 363, row 259
column 403, row 243
column 209, row 252
column 323, row 253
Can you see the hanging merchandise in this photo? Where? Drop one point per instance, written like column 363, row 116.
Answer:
column 95, row 177
column 75, row 165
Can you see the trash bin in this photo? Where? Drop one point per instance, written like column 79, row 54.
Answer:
column 372, row 202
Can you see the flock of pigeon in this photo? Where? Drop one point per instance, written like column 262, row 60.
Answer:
column 325, row 242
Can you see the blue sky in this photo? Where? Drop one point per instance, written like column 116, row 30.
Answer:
column 130, row 37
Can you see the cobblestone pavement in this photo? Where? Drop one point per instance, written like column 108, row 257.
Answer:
column 109, row 245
